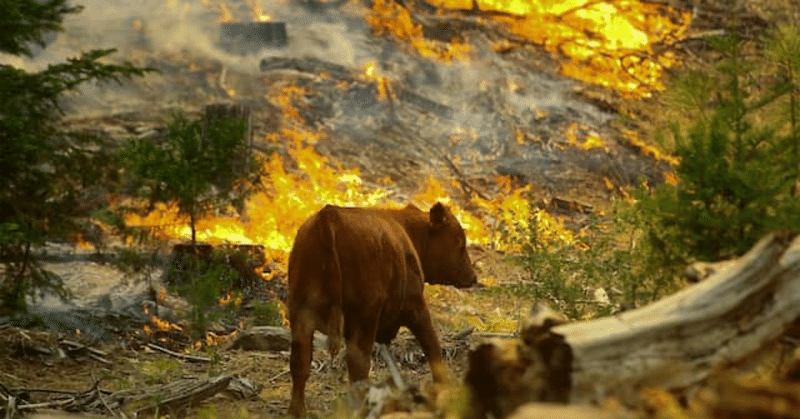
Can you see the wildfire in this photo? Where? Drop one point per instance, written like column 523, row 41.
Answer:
column 387, row 17
column 371, row 74
column 300, row 181
column 225, row 13
column 257, row 12
column 590, row 141
column 608, row 43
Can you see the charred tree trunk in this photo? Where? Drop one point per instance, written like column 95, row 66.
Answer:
column 674, row 343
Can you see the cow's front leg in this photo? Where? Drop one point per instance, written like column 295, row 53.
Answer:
column 421, row 326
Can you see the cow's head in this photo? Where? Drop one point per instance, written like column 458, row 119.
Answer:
column 446, row 260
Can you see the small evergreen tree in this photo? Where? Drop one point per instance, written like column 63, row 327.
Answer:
column 44, row 168
column 196, row 168
column 739, row 161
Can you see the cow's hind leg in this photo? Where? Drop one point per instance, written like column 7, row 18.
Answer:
column 360, row 334
column 300, row 361
column 421, row 326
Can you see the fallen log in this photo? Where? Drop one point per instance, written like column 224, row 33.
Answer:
column 674, row 343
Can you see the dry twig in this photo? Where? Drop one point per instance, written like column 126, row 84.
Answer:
column 178, row 355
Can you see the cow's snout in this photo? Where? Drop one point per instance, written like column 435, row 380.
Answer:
column 472, row 280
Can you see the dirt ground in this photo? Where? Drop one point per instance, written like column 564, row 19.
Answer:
column 491, row 313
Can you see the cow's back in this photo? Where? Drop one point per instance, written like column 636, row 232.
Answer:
column 352, row 262
column 380, row 266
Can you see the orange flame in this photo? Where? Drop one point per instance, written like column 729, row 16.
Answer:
column 257, row 12
column 371, row 74
column 225, row 13
column 671, row 178
column 591, row 140
column 387, row 17
column 608, row 43
column 161, row 324
column 649, row 149
column 81, row 243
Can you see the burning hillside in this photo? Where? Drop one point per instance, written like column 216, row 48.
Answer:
column 477, row 104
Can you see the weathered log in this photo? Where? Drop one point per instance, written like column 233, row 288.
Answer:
column 674, row 343
column 555, row 411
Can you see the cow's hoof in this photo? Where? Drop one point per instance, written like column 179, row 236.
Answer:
column 296, row 411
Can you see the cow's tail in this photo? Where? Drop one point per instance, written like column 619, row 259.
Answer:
column 328, row 218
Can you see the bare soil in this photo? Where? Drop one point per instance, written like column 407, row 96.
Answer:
column 489, row 312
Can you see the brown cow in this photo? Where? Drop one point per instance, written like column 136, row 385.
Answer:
column 366, row 266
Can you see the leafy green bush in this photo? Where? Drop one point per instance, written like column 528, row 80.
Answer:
column 266, row 313
column 607, row 253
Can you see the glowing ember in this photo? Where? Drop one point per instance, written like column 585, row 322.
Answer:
column 371, row 74
column 648, row 149
column 591, row 141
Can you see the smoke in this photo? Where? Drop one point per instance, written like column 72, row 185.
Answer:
column 177, row 33
column 488, row 95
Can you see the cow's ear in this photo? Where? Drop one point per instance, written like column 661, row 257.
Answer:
column 411, row 206
column 438, row 214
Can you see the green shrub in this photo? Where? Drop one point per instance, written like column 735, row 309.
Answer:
column 607, row 253
column 203, row 282
column 266, row 314
column 739, row 160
